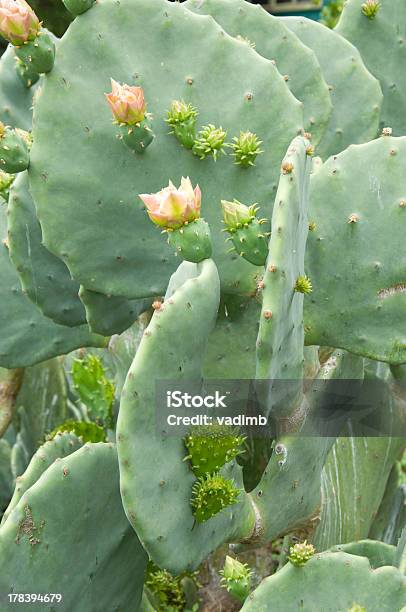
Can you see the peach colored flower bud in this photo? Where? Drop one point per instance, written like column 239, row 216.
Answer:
column 171, row 207
column 127, row 103
column 18, row 22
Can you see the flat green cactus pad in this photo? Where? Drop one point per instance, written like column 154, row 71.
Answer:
column 27, row 336
column 382, row 45
column 355, row 257
column 378, row 553
column 86, row 182
column 330, row 582
column 152, row 467
column 39, row 542
column 355, row 93
column 270, row 38
column 44, row 277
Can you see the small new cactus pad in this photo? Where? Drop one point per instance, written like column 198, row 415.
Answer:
column 351, row 86
column 383, row 29
column 27, row 336
column 281, row 321
column 300, row 553
column 39, row 540
column 350, row 263
column 212, row 446
column 110, row 314
column 181, row 117
column 210, row 140
column 246, row 148
column 247, row 233
column 94, row 389
column 295, row 62
column 102, row 178
column 211, row 494
column 169, row 534
column 62, row 445
column 15, row 98
column 44, row 277
column 236, row 578
column 88, row 432
column 166, row 590
column 303, row 285
column 330, row 581
column 370, row 8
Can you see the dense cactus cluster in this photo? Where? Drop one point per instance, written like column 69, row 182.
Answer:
column 152, row 118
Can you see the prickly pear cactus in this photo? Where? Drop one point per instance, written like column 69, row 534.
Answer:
column 351, row 87
column 103, row 177
column 358, row 296
column 27, row 336
column 38, row 550
column 16, row 98
column 329, row 582
column 385, row 58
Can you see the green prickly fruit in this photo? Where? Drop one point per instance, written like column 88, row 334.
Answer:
column 236, row 578
column 182, row 119
column 246, row 231
column 88, row 432
column 300, row 553
column 192, row 241
column 211, row 494
column 212, row 446
column 38, row 54
column 14, row 151
column 137, row 137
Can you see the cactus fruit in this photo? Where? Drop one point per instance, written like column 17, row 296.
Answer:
column 38, row 54
column 246, row 233
column 14, row 152
column 300, row 553
column 181, row 117
column 211, row 494
column 212, row 446
column 236, row 578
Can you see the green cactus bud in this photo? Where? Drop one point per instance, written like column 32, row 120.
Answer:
column 182, row 119
column 246, row 148
column 236, row 578
column 38, row 54
column 212, row 446
column 300, row 553
column 192, row 241
column 95, row 390
column 211, row 494
column 88, row 432
column 370, row 8
column 14, row 150
column 303, row 285
column 245, row 231
column 210, row 141
column 357, row 608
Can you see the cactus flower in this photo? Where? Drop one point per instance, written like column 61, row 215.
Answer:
column 236, row 215
column 18, row 22
column 127, row 103
column 171, row 207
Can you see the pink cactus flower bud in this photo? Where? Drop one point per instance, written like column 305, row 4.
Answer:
column 18, row 22
column 171, row 208
column 127, row 103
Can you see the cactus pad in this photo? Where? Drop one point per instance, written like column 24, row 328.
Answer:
column 81, row 201
column 212, row 446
